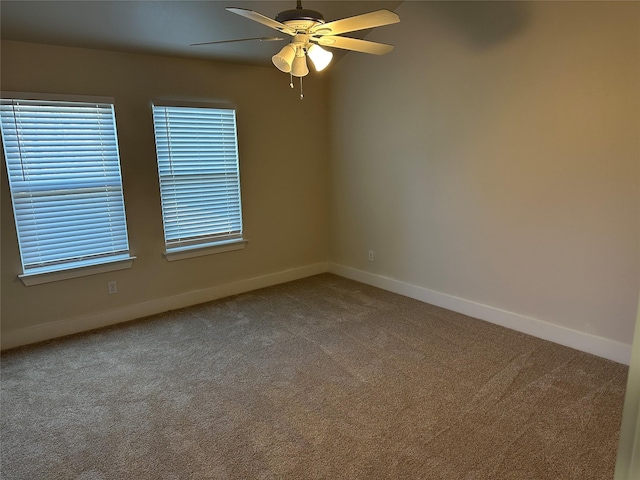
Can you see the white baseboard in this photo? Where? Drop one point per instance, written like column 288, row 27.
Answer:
column 47, row 331
column 600, row 346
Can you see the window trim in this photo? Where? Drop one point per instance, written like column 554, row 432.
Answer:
column 57, row 97
column 202, row 249
column 112, row 265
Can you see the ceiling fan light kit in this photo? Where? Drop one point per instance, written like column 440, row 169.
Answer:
column 299, row 66
column 292, row 57
column 319, row 56
column 284, row 59
column 309, row 32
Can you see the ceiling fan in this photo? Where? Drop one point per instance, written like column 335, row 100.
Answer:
column 310, row 33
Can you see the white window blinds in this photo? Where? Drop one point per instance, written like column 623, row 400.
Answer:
column 199, row 178
column 64, row 175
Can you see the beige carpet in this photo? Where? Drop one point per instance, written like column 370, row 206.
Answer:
column 319, row 378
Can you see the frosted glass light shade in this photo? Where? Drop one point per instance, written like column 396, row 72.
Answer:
column 284, row 58
column 299, row 66
column 319, row 56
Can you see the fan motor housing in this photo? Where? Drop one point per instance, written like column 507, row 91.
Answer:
column 300, row 14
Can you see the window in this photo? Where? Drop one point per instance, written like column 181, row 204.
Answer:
column 199, row 179
column 64, row 176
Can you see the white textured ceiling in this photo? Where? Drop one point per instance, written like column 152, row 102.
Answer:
column 164, row 27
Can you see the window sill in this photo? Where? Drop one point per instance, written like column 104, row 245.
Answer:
column 205, row 249
column 47, row 276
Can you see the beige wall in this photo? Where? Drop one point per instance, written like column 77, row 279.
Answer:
column 283, row 168
column 495, row 156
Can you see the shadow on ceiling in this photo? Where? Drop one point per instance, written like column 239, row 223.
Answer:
column 483, row 24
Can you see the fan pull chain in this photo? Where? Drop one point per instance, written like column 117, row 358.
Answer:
column 291, row 85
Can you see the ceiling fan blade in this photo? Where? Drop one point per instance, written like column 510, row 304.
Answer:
column 257, row 17
column 355, row 44
column 262, row 39
column 378, row 18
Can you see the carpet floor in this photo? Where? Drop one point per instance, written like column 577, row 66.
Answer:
column 321, row 378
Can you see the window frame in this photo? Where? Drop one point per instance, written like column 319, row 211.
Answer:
column 70, row 268
column 194, row 248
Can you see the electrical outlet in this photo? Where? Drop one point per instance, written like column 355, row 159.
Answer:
column 371, row 255
column 113, row 287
